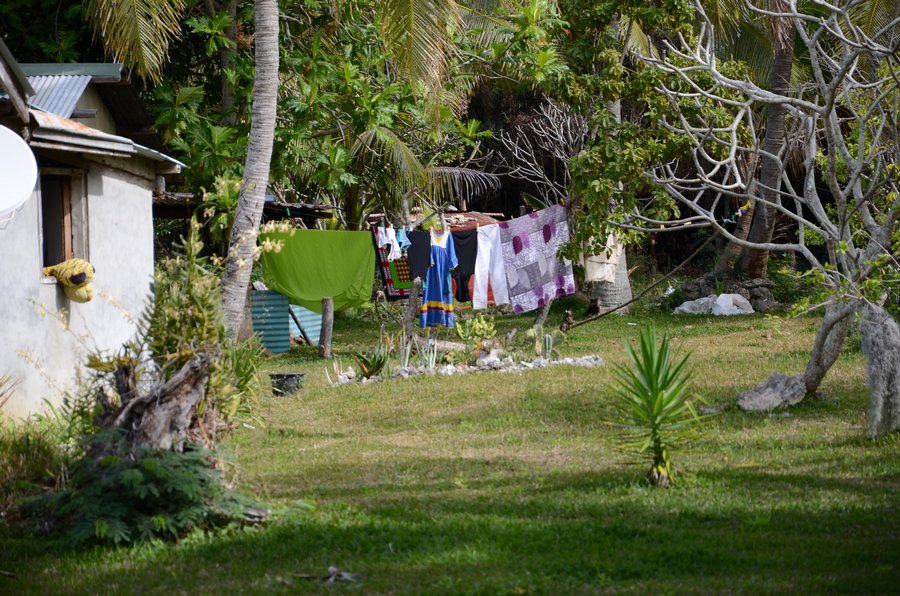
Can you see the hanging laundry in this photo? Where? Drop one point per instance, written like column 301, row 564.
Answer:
column 313, row 264
column 437, row 301
column 602, row 267
column 534, row 272
column 403, row 239
column 419, row 254
column 490, row 271
column 387, row 237
column 394, row 274
column 465, row 243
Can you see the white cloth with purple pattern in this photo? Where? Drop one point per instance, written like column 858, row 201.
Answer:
column 534, row 272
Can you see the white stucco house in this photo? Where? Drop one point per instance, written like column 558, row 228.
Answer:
column 93, row 200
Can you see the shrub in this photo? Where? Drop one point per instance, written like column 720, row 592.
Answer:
column 122, row 497
column 653, row 408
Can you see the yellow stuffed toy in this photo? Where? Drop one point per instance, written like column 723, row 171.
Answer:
column 75, row 276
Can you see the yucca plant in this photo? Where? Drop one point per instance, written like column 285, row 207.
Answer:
column 654, row 409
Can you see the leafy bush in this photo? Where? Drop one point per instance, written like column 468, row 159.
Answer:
column 653, row 408
column 31, row 460
column 123, row 497
column 119, row 490
column 184, row 317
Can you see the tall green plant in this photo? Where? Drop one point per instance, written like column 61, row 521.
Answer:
column 653, row 408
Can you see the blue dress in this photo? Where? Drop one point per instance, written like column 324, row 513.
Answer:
column 437, row 301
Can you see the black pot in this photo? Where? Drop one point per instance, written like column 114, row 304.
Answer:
column 286, row 383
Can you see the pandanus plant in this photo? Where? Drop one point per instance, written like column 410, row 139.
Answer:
column 654, row 408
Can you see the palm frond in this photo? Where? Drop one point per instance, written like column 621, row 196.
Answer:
column 446, row 184
column 137, row 32
column 876, row 19
column 636, row 40
column 381, row 150
column 417, row 32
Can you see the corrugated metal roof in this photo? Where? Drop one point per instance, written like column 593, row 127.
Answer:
column 108, row 72
column 58, row 94
column 155, row 155
column 269, row 313
column 311, row 321
column 61, row 133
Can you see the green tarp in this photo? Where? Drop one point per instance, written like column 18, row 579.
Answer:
column 313, row 264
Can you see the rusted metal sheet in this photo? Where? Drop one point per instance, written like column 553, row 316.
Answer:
column 56, row 132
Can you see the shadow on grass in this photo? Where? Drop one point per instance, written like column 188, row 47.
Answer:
column 557, row 533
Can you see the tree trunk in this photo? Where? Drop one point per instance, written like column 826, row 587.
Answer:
column 881, row 345
column 607, row 295
column 411, row 316
column 779, row 391
column 161, row 419
column 733, row 251
column 755, row 262
column 542, row 313
column 226, row 63
column 327, row 327
column 827, row 345
column 248, row 212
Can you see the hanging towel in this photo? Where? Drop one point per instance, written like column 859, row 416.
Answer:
column 437, row 301
column 402, row 239
column 466, row 245
column 533, row 271
column 313, row 264
column 602, row 267
column 489, row 269
column 419, row 254
column 394, row 274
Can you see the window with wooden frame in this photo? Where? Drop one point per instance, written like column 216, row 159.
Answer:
column 63, row 216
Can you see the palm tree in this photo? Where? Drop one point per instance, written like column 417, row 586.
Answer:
column 137, row 32
column 248, row 211
column 755, row 262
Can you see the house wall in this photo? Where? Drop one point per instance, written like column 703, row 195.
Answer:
column 43, row 336
column 90, row 99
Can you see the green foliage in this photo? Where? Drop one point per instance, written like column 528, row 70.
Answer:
column 476, row 329
column 184, row 317
column 218, row 208
column 32, row 459
column 653, row 408
column 119, row 499
column 372, row 363
column 137, row 33
column 545, row 343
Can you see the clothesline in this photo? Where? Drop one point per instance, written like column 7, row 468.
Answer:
column 513, row 262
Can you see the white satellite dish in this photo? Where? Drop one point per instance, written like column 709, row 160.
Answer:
column 18, row 174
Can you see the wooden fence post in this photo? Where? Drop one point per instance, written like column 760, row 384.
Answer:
column 327, row 325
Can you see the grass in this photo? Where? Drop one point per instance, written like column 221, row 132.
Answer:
column 511, row 483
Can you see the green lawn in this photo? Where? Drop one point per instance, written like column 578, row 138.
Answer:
column 512, row 483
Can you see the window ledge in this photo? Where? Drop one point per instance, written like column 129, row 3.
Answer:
column 47, row 279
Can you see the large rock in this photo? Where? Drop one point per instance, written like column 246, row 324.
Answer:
column 757, row 291
column 778, row 391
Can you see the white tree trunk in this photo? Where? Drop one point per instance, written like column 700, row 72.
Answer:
column 606, row 295
column 881, row 345
column 248, row 212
